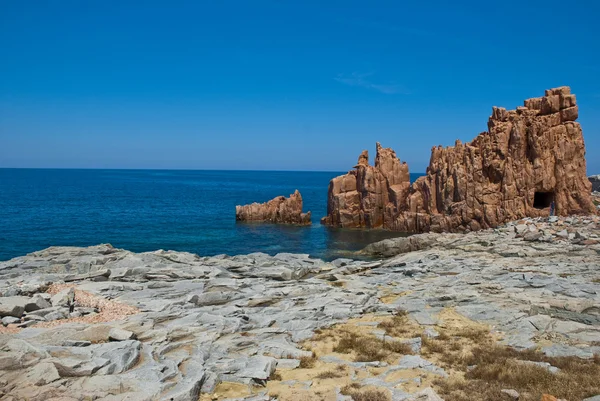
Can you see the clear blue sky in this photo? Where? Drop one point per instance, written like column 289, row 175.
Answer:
column 285, row 85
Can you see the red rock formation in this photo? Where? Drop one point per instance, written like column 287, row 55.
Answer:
column 278, row 210
column 528, row 159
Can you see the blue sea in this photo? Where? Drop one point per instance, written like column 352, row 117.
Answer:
column 146, row 210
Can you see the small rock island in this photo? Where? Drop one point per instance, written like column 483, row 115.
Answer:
column 280, row 210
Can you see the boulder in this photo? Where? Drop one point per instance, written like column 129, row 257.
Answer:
column 57, row 315
column 45, row 311
column 14, row 306
column 65, row 297
column 116, row 334
column 258, row 367
column 42, row 374
column 17, row 305
column 10, row 320
column 397, row 246
column 529, row 163
column 278, row 210
column 40, row 303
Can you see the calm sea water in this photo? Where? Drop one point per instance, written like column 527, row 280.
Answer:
column 146, row 210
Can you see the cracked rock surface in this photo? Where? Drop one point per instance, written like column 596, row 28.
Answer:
column 174, row 325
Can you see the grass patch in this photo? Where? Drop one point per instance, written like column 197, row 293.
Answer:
column 398, row 325
column 339, row 371
column 474, row 334
column 307, row 362
column 369, row 348
column 485, row 367
column 276, row 376
column 355, row 391
column 494, row 367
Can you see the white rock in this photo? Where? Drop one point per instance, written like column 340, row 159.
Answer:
column 64, row 298
column 42, row 374
column 514, row 394
column 13, row 306
column 10, row 320
column 116, row 334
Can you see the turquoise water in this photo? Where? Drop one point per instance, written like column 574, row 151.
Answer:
column 146, row 210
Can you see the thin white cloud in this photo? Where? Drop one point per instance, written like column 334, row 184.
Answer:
column 361, row 79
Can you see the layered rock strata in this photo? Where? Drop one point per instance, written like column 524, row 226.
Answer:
column 278, row 210
column 530, row 163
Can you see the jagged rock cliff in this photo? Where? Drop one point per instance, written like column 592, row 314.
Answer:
column 278, row 210
column 529, row 160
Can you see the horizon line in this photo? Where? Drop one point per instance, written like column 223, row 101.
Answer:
column 174, row 169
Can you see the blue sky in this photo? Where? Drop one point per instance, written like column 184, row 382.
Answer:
column 278, row 85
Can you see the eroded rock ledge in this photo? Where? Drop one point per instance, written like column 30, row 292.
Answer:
column 529, row 159
column 280, row 210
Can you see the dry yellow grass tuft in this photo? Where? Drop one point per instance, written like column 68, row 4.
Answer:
column 276, row 376
column 355, row 391
column 307, row 362
column 487, row 368
column 369, row 348
column 339, row 371
column 399, row 325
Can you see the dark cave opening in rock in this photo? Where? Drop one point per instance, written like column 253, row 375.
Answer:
column 543, row 200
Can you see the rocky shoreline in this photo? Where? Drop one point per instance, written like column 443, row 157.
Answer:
column 108, row 324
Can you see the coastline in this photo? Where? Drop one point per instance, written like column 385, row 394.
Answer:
column 239, row 326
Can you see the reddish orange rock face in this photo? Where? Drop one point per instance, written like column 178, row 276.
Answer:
column 529, row 162
column 280, row 210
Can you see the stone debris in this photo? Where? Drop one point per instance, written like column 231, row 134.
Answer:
column 175, row 325
column 529, row 163
column 280, row 210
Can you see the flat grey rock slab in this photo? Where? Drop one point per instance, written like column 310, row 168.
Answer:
column 116, row 334
column 559, row 350
column 64, row 298
column 416, row 362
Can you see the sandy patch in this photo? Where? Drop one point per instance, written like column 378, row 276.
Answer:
column 390, row 298
column 108, row 310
